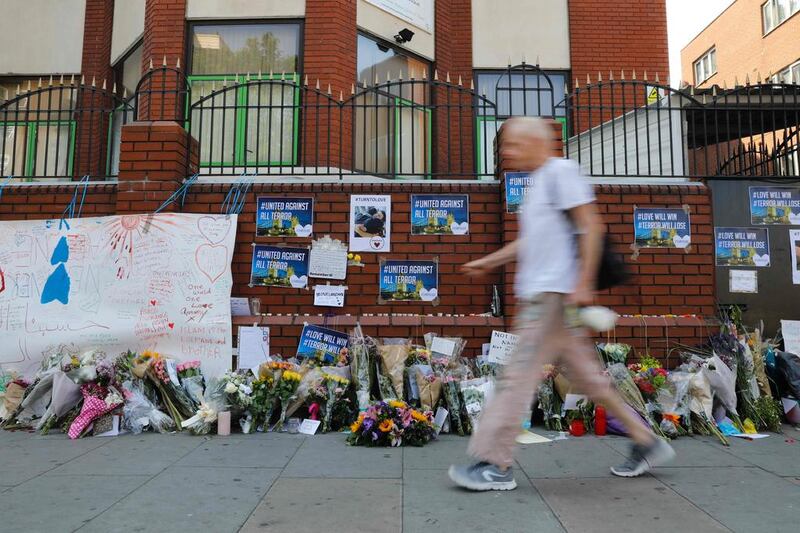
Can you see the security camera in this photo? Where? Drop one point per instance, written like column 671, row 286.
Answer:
column 404, row 36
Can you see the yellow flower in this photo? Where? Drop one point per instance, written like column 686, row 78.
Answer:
column 397, row 404
column 386, row 426
column 419, row 417
column 292, row 376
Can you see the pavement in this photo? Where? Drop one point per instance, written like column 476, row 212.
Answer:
column 293, row 483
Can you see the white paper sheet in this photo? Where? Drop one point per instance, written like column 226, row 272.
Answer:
column 308, row 426
column 791, row 335
column 794, row 251
column 440, row 419
column 253, row 346
column 743, row 281
column 443, row 346
column 502, row 346
column 328, row 263
column 240, row 306
column 329, row 295
column 571, row 401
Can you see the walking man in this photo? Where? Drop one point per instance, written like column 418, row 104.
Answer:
column 555, row 274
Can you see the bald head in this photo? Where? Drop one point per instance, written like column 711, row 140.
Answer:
column 526, row 143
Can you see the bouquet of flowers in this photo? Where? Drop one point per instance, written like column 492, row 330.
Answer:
column 152, row 366
column 362, row 351
column 192, row 380
column 614, row 352
column 450, row 386
column 393, row 355
column 214, row 402
column 140, row 413
column 335, row 388
column 549, row 401
column 285, row 392
column 97, row 402
column 429, row 386
column 391, row 424
column 262, row 403
column 476, row 393
column 649, row 381
column 630, row 393
column 672, row 402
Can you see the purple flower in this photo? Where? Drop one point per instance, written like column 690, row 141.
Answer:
column 368, row 423
column 374, row 435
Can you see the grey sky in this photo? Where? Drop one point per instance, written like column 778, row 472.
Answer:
column 685, row 19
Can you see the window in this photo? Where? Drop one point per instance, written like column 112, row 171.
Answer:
column 37, row 131
column 532, row 93
column 238, row 115
column 789, row 75
column 127, row 73
column 775, row 12
column 392, row 125
column 705, row 67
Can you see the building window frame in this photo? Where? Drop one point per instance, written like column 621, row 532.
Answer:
column 771, row 14
column 793, row 72
column 707, row 71
column 241, row 95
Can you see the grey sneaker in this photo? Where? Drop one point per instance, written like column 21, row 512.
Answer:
column 645, row 458
column 482, row 476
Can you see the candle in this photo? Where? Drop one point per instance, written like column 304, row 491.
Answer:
column 224, row 423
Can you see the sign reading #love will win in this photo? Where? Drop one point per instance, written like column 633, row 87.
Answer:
column 279, row 266
column 439, row 214
column 742, row 247
column 284, row 217
column 409, row 281
column 662, row 228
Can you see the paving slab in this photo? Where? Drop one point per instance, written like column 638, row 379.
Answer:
column 189, row 498
column 742, row 498
column 257, row 451
column 45, row 453
column 62, row 503
column 691, row 451
column 575, row 457
column 779, row 454
column 432, row 503
column 621, row 506
column 437, row 455
column 314, row 505
column 327, row 456
column 145, row 454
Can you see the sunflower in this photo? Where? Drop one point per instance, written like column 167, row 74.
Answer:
column 397, row 404
column 386, row 426
column 355, row 426
column 419, row 417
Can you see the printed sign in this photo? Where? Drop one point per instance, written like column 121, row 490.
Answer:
column 370, row 223
column 133, row 282
column 279, row 266
column 439, row 214
column 794, row 250
column 284, row 217
column 790, row 329
column 502, row 346
column 517, row 186
column 417, row 12
column 661, row 228
column 741, row 247
column 409, row 281
column 775, row 205
column 253, row 346
column 320, row 343
column 329, row 295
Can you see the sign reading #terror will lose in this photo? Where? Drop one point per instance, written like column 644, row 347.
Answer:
column 741, row 247
column 662, row 228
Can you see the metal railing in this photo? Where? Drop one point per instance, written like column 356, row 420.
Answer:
column 422, row 127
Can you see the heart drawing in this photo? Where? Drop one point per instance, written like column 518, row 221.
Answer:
column 459, row 229
column 298, row 283
column 429, row 295
column 761, row 260
column 681, row 242
column 214, row 229
column 212, row 260
column 303, row 231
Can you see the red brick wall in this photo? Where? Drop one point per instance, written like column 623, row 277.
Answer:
column 42, row 202
column 164, row 37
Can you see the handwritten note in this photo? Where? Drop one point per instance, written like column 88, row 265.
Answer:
column 160, row 282
column 240, row 307
column 329, row 295
column 502, row 346
column 328, row 260
column 443, row 346
column 308, row 426
column 253, row 346
column 744, row 281
column 791, row 336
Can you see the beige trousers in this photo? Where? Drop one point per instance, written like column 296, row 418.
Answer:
column 546, row 335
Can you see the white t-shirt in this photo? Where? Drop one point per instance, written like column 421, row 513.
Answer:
column 547, row 260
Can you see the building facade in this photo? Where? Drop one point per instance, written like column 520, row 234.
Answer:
column 751, row 40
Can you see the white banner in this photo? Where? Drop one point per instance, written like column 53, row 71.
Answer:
column 417, row 12
column 132, row 282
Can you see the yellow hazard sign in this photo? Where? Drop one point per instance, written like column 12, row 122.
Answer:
column 652, row 95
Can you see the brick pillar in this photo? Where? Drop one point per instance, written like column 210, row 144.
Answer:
column 329, row 55
column 164, row 36
column 608, row 35
column 155, row 157
column 92, row 106
column 455, row 151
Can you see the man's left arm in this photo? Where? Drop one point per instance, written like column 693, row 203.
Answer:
column 590, row 227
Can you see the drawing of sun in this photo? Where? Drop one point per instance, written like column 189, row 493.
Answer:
column 127, row 232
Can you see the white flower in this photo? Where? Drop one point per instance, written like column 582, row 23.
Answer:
column 245, row 389
column 230, row 387
column 113, row 398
